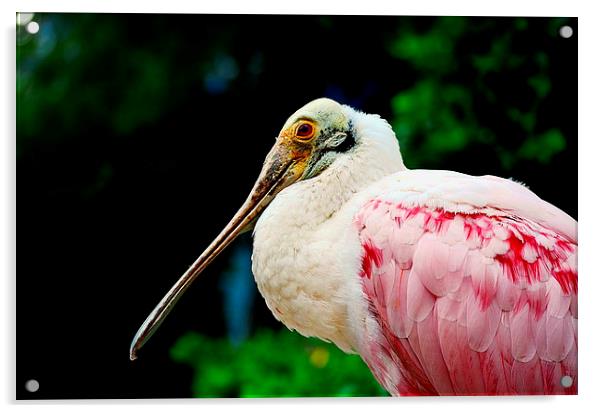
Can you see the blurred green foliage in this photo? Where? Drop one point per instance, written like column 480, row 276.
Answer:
column 442, row 114
column 453, row 86
column 273, row 364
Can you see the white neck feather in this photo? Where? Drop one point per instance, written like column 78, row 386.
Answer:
column 295, row 262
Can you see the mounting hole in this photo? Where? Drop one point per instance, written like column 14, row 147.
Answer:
column 566, row 31
column 566, row 381
column 32, row 386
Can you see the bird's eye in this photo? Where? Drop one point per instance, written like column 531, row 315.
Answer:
column 305, row 131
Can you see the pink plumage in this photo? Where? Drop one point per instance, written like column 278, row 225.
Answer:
column 468, row 303
column 444, row 283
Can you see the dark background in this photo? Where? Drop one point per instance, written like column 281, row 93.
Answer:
column 138, row 136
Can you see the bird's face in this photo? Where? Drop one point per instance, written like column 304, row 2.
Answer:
column 314, row 136
column 310, row 141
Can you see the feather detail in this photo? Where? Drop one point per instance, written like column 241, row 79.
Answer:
column 432, row 358
column 521, row 334
column 397, row 309
column 482, row 325
column 471, row 303
column 526, row 377
column 420, row 300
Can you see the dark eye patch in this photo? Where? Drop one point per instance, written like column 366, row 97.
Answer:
column 348, row 142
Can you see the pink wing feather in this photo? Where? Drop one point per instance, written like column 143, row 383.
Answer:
column 468, row 303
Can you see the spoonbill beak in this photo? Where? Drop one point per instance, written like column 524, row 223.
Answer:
column 284, row 165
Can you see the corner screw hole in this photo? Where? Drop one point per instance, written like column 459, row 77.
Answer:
column 566, row 31
column 32, row 386
column 566, row 381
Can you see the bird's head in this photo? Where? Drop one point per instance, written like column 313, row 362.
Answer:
column 313, row 137
column 309, row 142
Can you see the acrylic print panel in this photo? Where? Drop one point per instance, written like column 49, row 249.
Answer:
column 140, row 136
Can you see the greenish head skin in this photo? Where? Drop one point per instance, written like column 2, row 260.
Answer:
column 333, row 135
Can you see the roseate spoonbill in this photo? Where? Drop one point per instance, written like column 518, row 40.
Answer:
column 444, row 283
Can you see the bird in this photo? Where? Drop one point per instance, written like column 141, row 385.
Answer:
column 444, row 283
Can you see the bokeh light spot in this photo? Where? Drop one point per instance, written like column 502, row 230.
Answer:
column 319, row 357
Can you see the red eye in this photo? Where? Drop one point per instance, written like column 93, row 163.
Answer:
column 305, row 131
